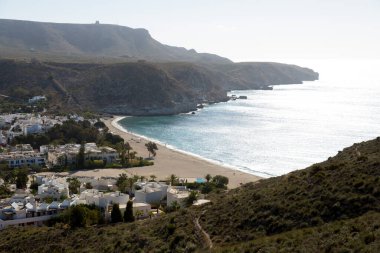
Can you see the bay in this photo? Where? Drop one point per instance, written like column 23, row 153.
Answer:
column 277, row 131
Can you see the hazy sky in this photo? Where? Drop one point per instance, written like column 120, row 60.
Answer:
column 237, row 29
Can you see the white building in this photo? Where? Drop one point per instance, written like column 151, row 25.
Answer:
column 102, row 200
column 3, row 139
column 53, row 188
column 27, row 211
column 66, row 155
column 178, row 194
column 151, row 192
column 20, row 159
column 36, row 99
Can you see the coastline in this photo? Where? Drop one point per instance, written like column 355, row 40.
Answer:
column 170, row 161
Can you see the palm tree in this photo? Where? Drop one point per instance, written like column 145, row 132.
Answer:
column 128, row 148
column 173, row 179
column 152, row 178
column 122, row 182
column 130, row 183
column 142, row 178
column 152, row 147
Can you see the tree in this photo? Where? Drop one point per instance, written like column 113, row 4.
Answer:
column 193, row 196
column 208, row 178
column 74, row 185
column 131, row 182
column 116, row 214
column 152, row 178
column 220, row 181
column 82, row 216
column 99, row 125
column 34, row 187
column 152, row 147
column 128, row 214
column 88, row 185
column 21, row 178
column 128, row 148
column 142, row 178
column 173, row 179
column 206, row 188
column 122, row 182
column 78, row 216
column 80, row 157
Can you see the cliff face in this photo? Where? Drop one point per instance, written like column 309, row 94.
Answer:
column 128, row 88
column 139, row 88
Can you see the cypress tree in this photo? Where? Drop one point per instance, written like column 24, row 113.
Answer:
column 116, row 214
column 128, row 214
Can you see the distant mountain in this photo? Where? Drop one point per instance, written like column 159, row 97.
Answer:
column 91, row 40
column 120, row 70
column 333, row 206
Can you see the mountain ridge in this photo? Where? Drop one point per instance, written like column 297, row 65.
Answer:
column 100, row 40
column 121, row 70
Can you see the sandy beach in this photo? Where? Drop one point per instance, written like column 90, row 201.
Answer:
column 169, row 162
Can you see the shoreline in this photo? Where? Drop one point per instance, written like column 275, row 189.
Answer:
column 172, row 161
column 119, row 127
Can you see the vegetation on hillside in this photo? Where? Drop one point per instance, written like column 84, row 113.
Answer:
column 345, row 186
column 359, row 234
column 332, row 206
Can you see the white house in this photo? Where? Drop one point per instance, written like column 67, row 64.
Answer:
column 102, row 200
column 53, row 188
column 151, row 192
column 36, row 99
column 178, row 194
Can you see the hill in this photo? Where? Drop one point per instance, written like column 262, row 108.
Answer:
column 134, row 88
column 94, row 41
column 333, row 206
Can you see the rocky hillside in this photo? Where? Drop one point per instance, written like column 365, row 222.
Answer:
column 135, row 88
column 90, row 40
column 333, row 206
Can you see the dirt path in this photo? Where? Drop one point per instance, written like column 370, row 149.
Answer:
column 207, row 243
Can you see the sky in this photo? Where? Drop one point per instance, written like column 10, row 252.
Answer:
column 242, row 30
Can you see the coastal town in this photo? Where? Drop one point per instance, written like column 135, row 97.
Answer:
column 44, row 177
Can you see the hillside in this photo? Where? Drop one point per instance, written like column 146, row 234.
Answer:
column 33, row 39
column 133, row 88
column 332, row 206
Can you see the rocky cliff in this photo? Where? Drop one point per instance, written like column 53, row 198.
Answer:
column 137, row 88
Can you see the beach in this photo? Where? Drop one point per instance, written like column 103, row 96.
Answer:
column 169, row 161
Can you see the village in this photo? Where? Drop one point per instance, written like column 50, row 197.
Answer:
column 40, row 182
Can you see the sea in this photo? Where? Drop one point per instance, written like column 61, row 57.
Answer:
column 277, row 131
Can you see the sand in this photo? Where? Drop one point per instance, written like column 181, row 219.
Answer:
column 168, row 161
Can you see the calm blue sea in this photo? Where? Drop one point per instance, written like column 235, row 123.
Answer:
column 278, row 131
